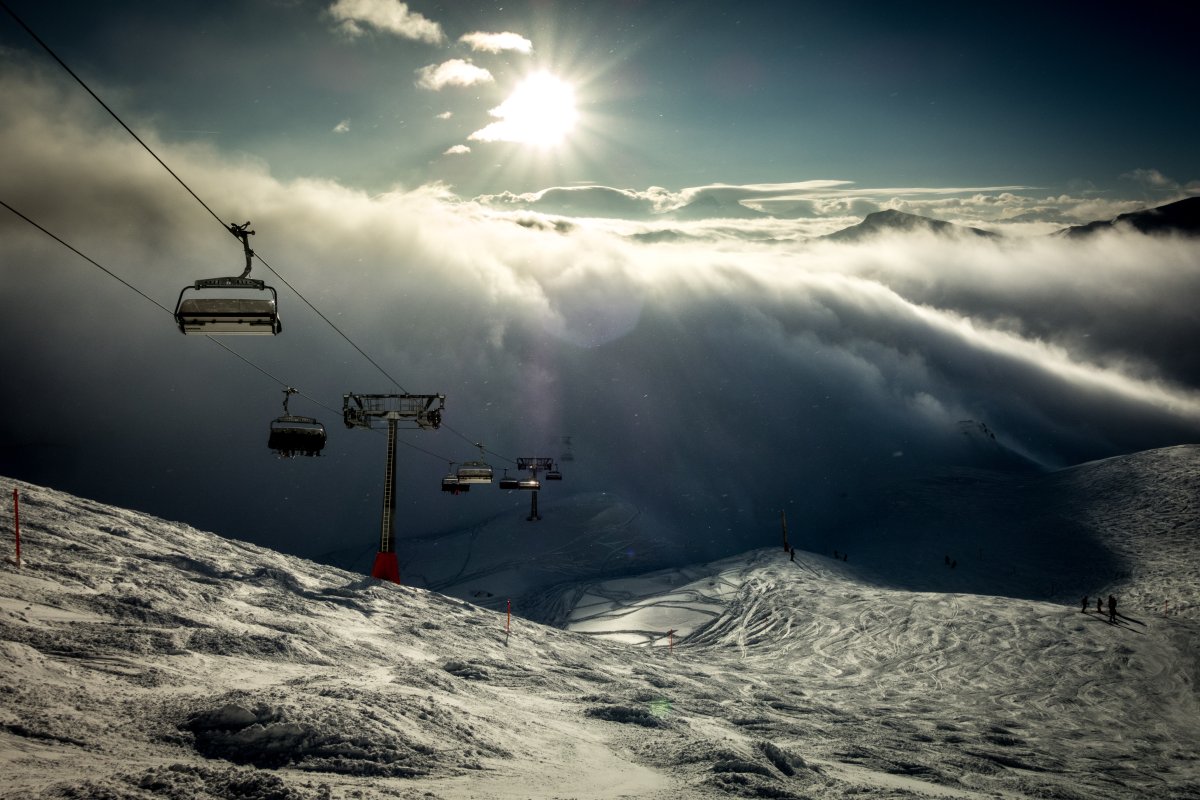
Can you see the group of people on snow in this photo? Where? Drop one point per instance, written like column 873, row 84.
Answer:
column 1112, row 607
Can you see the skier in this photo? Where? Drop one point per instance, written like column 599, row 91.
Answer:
column 792, row 552
column 1112, row 609
column 1099, row 607
column 1085, row 604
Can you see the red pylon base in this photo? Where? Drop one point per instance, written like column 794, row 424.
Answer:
column 386, row 568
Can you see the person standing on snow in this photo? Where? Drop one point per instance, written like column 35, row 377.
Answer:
column 1085, row 604
column 1112, row 609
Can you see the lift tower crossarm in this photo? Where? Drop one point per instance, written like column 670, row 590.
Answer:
column 535, row 463
column 376, row 410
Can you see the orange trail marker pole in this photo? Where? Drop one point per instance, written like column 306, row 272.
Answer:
column 508, row 620
column 671, row 641
column 17, row 523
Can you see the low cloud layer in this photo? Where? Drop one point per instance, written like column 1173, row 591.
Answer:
column 712, row 384
column 1015, row 209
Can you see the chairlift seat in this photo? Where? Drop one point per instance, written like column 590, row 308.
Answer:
column 228, row 315
column 529, row 484
column 474, row 472
column 510, row 483
column 554, row 475
column 292, row 435
column 452, row 484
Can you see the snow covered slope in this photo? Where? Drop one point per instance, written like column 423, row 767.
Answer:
column 144, row 659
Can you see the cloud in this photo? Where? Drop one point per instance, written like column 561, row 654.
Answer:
column 823, row 206
column 710, row 380
column 454, row 72
column 497, row 42
column 457, row 150
column 1150, row 177
column 342, row 127
column 588, row 201
column 388, row 16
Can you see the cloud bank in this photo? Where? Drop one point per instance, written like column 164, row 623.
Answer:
column 710, row 381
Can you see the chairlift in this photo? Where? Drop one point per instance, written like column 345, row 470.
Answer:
column 227, row 314
column 553, row 475
column 452, row 484
column 507, row 483
column 293, row 435
column 475, row 471
column 529, row 484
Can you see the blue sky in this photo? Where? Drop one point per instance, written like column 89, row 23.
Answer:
column 653, row 283
column 1050, row 98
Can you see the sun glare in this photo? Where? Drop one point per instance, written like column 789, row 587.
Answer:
column 540, row 111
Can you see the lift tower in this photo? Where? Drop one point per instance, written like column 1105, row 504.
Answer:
column 533, row 464
column 371, row 411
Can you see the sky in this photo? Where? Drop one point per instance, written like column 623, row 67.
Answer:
column 378, row 93
column 601, row 221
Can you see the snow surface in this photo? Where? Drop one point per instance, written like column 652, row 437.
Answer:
column 144, row 659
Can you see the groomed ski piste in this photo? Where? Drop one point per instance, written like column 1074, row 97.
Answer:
column 144, row 659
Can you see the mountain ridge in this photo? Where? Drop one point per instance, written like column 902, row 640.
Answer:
column 1181, row 216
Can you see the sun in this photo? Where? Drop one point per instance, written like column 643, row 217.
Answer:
column 540, row 111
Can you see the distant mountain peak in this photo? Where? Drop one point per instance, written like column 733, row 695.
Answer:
column 1182, row 216
column 892, row 221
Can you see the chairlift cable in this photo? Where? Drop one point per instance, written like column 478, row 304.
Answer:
column 215, row 341
column 474, row 443
column 107, row 271
column 181, row 182
column 223, row 225
column 329, row 322
column 104, row 105
column 130, row 286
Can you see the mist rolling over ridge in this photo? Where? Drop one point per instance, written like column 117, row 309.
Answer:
column 712, row 386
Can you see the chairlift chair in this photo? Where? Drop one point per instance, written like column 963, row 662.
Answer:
column 474, row 472
column 452, row 484
column 507, row 483
column 529, row 484
column 229, row 314
column 293, row 435
column 553, row 474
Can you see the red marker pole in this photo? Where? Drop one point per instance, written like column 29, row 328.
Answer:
column 17, row 523
column 508, row 620
column 671, row 641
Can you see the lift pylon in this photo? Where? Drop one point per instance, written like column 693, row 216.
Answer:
column 531, row 483
column 422, row 411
